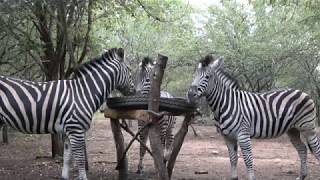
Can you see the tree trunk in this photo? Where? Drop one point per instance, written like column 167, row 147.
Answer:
column 56, row 145
column 57, row 27
column 5, row 134
column 56, row 139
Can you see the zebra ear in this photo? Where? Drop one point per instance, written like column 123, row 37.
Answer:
column 217, row 64
column 120, row 53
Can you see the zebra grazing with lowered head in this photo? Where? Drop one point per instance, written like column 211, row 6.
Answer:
column 166, row 124
column 65, row 106
column 241, row 115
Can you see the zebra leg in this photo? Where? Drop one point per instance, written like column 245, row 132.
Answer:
column 313, row 141
column 77, row 142
column 295, row 139
column 2, row 126
column 67, row 156
column 163, row 124
column 1, row 123
column 169, row 137
column 168, row 144
column 245, row 145
column 143, row 137
column 233, row 155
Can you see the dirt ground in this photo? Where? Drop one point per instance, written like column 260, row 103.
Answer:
column 28, row 157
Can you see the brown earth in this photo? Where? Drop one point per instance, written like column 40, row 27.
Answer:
column 28, row 157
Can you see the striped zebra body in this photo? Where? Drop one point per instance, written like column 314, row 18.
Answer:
column 64, row 106
column 241, row 115
column 25, row 105
column 166, row 123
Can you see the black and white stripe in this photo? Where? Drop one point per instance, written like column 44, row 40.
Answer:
column 65, row 106
column 241, row 115
column 166, row 124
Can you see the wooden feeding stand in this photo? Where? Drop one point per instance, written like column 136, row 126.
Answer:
column 151, row 116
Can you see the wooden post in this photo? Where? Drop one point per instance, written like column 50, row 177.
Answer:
column 153, row 105
column 178, row 141
column 119, row 142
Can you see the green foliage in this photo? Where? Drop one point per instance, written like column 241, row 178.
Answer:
column 260, row 42
column 141, row 35
column 266, row 44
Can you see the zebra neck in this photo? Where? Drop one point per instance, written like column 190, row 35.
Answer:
column 146, row 87
column 221, row 99
column 145, row 90
column 92, row 88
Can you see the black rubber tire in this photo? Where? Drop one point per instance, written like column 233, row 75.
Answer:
column 174, row 105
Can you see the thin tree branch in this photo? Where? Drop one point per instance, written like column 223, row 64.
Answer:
column 148, row 12
column 61, row 10
column 87, row 37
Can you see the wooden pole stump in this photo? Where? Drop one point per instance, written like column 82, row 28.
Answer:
column 120, row 147
column 154, row 132
column 152, row 116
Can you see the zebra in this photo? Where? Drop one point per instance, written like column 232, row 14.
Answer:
column 242, row 115
column 166, row 124
column 65, row 106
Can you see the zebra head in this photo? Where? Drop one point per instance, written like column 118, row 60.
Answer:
column 205, row 72
column 143, row 77
column 124, row 81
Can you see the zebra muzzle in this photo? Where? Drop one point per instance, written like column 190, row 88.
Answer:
column 193, row 94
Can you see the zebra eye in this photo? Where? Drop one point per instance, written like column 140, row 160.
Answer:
column 207, row 76
column 147, row 80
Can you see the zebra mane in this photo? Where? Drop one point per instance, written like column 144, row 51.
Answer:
column 108, row 55
column 207, row 60
column 227, row 79
column 145, row 61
